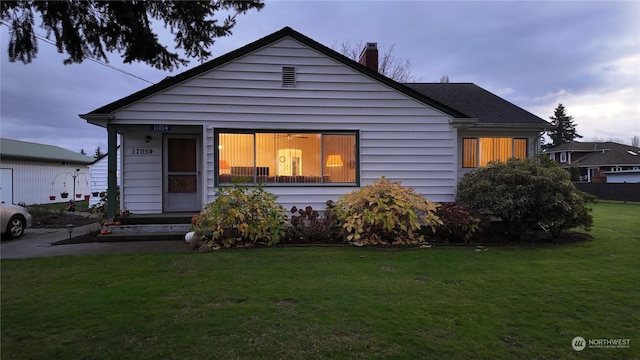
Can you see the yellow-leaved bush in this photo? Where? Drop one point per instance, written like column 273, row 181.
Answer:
column 240, row 217
column 385, row 213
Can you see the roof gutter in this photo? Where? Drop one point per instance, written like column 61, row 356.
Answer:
column 512, row 126
column 97, row 119
column 45, row 159
column 463, row 122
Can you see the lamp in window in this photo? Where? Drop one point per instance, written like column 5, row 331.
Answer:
column 334, row 161
column 224, row 167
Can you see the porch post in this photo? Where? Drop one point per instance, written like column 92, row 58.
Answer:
column 112, row 166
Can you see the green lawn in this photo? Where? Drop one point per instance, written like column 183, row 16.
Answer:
column 332, row 303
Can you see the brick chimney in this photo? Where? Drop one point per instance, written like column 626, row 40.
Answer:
column 369, row 56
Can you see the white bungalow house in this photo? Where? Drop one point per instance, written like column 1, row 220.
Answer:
column 33, row 173
column 306, row 122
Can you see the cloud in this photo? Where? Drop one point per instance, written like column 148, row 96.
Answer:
column 534, row 54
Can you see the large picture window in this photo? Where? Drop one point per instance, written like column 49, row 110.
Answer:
column 286, row 158
column 480, row 151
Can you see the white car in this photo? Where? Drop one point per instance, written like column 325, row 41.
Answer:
column 13, row 220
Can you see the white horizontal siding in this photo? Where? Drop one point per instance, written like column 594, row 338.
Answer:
column 99, row 180
column 35, row 181
column 400, row 138
column 141, row 191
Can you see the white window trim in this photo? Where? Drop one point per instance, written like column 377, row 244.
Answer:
column 563, row 157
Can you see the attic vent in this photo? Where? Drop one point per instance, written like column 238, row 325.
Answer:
column 288, row 76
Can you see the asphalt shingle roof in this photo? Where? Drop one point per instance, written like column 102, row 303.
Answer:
column 601, row 153
column 580, row 147
column 459, row 100
column 476, row 102
column 15, row 149
column 265, row 41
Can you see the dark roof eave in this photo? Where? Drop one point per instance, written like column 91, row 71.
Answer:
column 97, row 119
column 44, row 159
column 284, row 32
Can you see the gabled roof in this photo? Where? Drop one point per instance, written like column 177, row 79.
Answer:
column 478, row 103
column 602, row 153
column 22, row 150
column 269, row 39
column 576, row 146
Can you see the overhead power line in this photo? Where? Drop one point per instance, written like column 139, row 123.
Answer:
column 43, row 38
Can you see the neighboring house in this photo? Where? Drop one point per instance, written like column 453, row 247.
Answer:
column 98, row 174
column 599, row 161
column 308, row 123
column 31, row 172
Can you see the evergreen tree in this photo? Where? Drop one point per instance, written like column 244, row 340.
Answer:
column 89, row 29
column 564, row 130
column 98, row 154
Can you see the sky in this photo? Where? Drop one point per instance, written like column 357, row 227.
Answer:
column 583, row 54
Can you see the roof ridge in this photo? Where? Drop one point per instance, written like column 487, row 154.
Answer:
column 257, row 44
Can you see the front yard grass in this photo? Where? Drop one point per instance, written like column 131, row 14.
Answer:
column 332, row 302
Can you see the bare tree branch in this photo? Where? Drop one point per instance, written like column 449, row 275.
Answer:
column 388, row 64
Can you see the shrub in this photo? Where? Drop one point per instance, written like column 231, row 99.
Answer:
column 575, row 173
column 523, row 193
column 459, row 223
column 240, row 216
column 310, row 226
column 385, row 213
column 100, row 208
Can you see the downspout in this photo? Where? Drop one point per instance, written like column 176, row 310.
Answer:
column 538, row 147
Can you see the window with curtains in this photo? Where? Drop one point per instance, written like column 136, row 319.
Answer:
column 273, row 158
column 480, row 151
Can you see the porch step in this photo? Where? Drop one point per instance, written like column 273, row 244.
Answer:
column 183, row 218
column 126, row 237
column 152, row 227
column 149, row 228
column 145, row 232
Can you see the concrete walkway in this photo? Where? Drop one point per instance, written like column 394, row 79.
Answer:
column 37, row 243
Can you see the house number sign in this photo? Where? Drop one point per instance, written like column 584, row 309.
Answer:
column 141, row 151
column 160, row 127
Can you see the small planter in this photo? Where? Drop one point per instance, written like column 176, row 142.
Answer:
column 95, row 194
column 64, row 195
column 78, row 196
column 52, row 197
column 86, row 197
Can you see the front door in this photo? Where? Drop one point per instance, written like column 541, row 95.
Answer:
column 181, row 180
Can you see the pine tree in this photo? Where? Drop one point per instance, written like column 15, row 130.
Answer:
column 98, row 154
column 564, row 130
column 91, row 29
